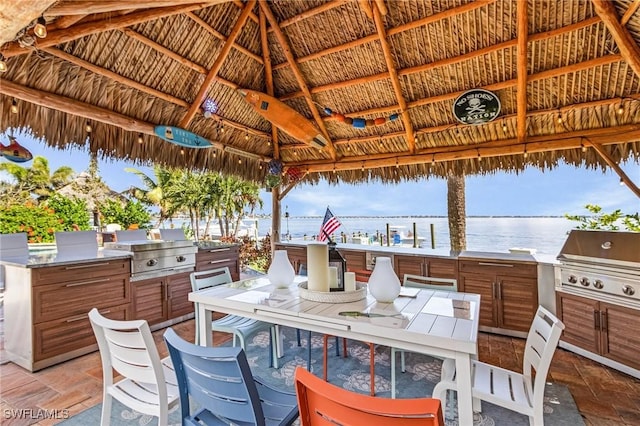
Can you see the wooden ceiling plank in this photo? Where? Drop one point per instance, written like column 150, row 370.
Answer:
column 311, row 12
column 82, row 30
column 92, row 112
column 139, row 86
column 521, row 66
column 610, row 161
column 204, row 25
column 447, row 61
column 80, row 7
column 65, row 22
column 395, row 82
column 213, row 72
column 629, row 13
column 286, row 48
column 628, row 48
column 268, row 77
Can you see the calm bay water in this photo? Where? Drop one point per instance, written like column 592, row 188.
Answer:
column 497, row 234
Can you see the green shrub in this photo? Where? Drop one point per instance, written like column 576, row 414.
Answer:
column 130, row 213
column 606, row 221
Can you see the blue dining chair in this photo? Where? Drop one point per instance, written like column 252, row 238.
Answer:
column 219, row 380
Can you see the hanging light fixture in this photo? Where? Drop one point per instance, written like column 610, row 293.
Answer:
column 14, row 106
column 504, row 126
column 525, row 153
column 559, row 118
column 181, row 151
column 621, row 182
column 246, row 136
column 3, row 64
column 87, row 127
column 140, row 140
column 40, row 29
column 620, row 110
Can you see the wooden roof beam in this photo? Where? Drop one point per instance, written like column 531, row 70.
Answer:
column 447, row 61
column 310, row 13
column 607, row 158
column 80, row 7
column 629, row 13
column 393, row 73
column 92, row 112
column 366, row 8
column 298, row 74
column 195, row 18
column 213, row 72
column 391, row 31
column 544, row 143
column 141, row 87
column 628, row 48
column 89, row 28
column 521, row 66
column 268, row 77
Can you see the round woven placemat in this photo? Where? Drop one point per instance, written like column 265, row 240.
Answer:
column 332, row 296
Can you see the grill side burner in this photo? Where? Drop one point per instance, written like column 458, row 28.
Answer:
column 157, row 258
column 602, row 264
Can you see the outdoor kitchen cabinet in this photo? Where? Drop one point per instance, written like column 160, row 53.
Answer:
column 213, row 257
column 508, row 293
column 601, row 328
column 46, row 308
column 297, row 255
column 356, row 259
column 425, row 266
column 162, row 299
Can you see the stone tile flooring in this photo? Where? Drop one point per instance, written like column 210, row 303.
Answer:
column 603, row 396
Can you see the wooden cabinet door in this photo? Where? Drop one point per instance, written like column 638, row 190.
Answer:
column 178, row 289
column 518, row 302
column 442, row 268
column 219, row 257
column 297, row 255
column 149, row 301
column 356, row 260
column 620, row 338
column 579, row 317
column 413, row 265
column 484, row 285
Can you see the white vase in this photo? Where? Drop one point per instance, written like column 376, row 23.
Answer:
column 281, row 273
column 384, row 284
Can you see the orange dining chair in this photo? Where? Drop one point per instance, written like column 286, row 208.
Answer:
column 321, row 403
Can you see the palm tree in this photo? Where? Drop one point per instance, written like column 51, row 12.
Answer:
column 36, row 181
column 154, row 193
column 457, row 213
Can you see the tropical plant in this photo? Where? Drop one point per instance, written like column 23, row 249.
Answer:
column 606, row 221
column 36, row 181
column 125, row 214
column 73, row 212
column 154, row 192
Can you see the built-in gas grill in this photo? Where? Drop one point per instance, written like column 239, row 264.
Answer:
column 602, row 264
column 157, row 258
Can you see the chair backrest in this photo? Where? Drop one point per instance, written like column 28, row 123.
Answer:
column 540, row 346
column 76, row 242
column 131, row 235
column 302, row 269
column 321, row 403
column 14, row 245
column 210, row 278
column 443, row 284
column 172, row 234
column 128, row 348
column 218, row 378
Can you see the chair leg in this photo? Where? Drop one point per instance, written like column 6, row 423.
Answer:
column 309, row 352
column 372, row 368
column 344, row 347
column 393, row 373
column 402, row 363
column 273, row 347
column 105, row 420
column 325, row 339
column 298, row 336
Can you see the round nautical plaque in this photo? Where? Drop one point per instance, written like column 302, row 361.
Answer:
column 477, row 106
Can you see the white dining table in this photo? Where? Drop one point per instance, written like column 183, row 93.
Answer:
column 439, row 323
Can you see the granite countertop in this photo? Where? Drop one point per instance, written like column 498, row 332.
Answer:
column 486, row 255
column 204, row 245
column 53, row 258
column 384, row 249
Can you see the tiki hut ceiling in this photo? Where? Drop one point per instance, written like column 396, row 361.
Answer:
column 566, row 73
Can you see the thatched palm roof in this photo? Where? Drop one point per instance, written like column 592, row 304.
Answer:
column 567, row 74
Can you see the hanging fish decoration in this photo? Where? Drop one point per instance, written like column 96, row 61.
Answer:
column 15, row 152
column 361, row 123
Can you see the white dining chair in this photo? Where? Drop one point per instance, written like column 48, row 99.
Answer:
column 517, row 392
column 149, row 384
column 239, row 327
column 418, row 281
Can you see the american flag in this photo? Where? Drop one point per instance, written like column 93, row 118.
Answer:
column 329, row 225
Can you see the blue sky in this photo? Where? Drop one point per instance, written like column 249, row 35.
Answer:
column 565, row 189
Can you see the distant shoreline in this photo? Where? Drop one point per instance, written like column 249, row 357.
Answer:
column 412, row 216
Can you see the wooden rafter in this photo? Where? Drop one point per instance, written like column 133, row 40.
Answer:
column 65, row 22
column 141, row 87
column 268, row 77
column 366, row 8
column 521, row 87
column 395, row 82
column 92, row 112
column 391, row 31
column 607, row 158
column 82, row 30
column 195, row 18
column 544, row 143
column 382, row 7
column 447, row 61
column 629, row 13
column 628, row 48
column 213, row 72
column 80, row 7
column 311, row 12
column 298, row 74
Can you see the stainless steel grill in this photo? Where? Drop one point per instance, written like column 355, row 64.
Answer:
column 157, row 258
column 603, row 265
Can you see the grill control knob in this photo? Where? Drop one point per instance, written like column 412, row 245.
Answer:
column 181, row 259
column 573, row 279
column 628, row 290
column 598, row 284
column 152, row 262
column 584, row 281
